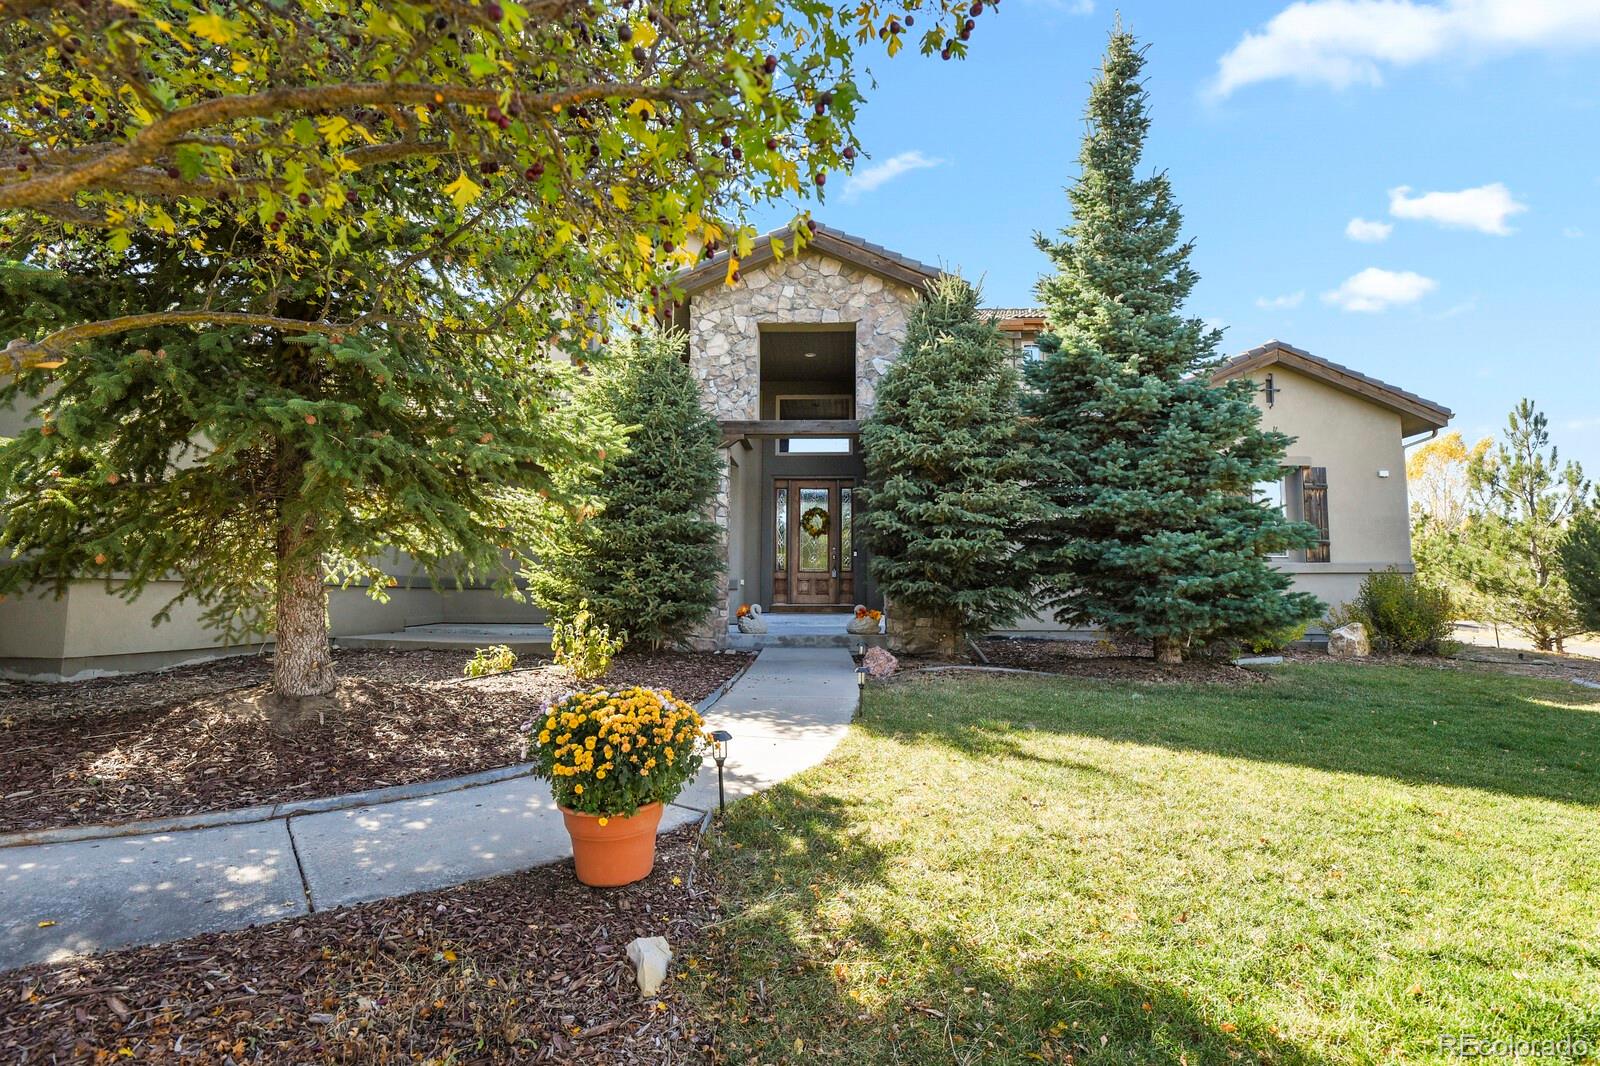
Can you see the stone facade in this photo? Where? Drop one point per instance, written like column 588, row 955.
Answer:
column 725, row 349
column 725, row 326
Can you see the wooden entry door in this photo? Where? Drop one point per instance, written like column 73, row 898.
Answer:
column 814, row 555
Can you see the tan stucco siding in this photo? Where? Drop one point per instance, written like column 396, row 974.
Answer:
column 1356, row 441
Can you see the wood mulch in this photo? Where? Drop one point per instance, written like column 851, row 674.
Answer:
column 1106, row 660
column 530, row 967
column 198, row 738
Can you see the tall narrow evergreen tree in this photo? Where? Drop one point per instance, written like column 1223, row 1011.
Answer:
column 648, row 562
column 947, row 488
column 1151, row 528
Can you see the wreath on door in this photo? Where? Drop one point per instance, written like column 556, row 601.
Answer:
column 815, row 522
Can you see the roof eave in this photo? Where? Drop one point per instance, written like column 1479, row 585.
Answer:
column 827, row 241
column 1417, row 415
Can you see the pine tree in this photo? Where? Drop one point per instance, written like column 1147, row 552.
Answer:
column 947, row 488
column 1580, row 565
column 648, row 562
column 1151, row 528
column 255, row 467
column 1525, row 499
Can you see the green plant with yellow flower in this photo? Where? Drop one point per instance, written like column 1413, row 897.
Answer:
column 611, row 752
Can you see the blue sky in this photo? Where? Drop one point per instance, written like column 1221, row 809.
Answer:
column 1279, row 124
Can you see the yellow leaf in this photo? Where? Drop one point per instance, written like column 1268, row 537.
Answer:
column 733, row 268
column 449, row 956
column 240, row 64
column 644, row 34
column 463, row 190
column 213, row 28
column 619, row 196
column 46, row 924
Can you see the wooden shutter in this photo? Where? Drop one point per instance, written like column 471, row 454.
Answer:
column 1314, row 501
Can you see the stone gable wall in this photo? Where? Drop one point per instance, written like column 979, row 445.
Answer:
column 725, row 326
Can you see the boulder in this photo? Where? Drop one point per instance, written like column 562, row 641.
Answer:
column 1349, row 642
column 650, row 956
column 879, row 663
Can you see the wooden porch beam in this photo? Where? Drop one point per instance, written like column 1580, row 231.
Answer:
column 738, row 429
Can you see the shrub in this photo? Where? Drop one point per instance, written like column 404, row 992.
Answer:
column 1401, row 614
column 495, row 659
column 582, row 645
column 610, row 753
column 1277, row 639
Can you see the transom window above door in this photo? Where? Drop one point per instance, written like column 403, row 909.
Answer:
column 815, row 408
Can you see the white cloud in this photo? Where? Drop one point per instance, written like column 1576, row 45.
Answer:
column 1376, row 289
column 1275, row 302
column 1484, row 208
column 1572, row 233
column 1360, row 229
column 1352, row 42
column 870, row 178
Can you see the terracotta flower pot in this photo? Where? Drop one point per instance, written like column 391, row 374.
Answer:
column 618, row 853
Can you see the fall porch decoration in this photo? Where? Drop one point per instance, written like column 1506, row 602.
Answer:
column 613, row 759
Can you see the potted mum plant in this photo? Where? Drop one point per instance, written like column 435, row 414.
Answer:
column 612, row 760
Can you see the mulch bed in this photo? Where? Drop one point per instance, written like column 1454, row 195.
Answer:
column 1107, row 660
column 198, row 738
column 530, row 967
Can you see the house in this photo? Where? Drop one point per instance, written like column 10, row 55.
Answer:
column 789, row 358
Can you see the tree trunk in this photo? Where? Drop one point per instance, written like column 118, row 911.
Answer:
column 303, row 666
column 1169, row 651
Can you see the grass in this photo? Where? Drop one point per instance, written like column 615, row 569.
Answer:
column 1339, row 866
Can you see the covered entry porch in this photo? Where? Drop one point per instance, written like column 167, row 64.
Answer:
column 793, row 501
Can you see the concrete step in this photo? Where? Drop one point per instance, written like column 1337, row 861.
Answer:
column 756, row 641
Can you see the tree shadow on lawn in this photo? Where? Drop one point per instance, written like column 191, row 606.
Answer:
column 1460, row 728
column 803, row 970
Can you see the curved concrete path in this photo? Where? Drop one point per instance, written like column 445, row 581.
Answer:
column 786, row 713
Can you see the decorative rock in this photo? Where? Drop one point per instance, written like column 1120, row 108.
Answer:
column 879, row 663
column 650, row 956
column 1349, row 642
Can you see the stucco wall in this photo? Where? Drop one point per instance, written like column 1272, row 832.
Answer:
column 725, row 324
column 1369, row 524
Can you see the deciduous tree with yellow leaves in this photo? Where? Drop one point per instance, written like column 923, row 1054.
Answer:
column 285, row 277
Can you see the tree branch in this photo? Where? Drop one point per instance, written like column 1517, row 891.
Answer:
column 147, row 145
column 50, row 351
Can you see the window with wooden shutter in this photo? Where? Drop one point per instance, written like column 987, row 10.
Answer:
column 1314, row 501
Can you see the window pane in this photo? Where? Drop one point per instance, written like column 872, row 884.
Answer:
column 1270, row 493
column 845, row 542
column 814, row 512
column 815, row 445
column 781, row 529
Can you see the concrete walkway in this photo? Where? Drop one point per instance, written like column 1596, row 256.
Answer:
column 786, row 713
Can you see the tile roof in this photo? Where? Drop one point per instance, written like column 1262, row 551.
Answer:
column 1012, row 312
column 1423, row 412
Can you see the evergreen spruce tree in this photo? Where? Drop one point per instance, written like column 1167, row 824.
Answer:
column 1151, row 528
column 947, row 487
column 648, row 562
column 254, row 467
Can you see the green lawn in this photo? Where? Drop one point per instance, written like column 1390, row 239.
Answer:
column 1334, row 867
